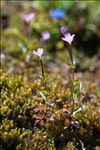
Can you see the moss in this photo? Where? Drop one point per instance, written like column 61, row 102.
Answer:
column 29, row 123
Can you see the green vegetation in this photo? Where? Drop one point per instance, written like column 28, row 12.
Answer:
column 27, row 122
column 50, row 102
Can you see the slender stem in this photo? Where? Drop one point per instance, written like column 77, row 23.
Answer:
column 42, row 68
column 43, row 72
column 70, row 53
column 72, row 88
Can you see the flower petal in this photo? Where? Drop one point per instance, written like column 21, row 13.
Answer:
column 63, row 30
column 39, row 52
column 67, row 36
column 28, row 17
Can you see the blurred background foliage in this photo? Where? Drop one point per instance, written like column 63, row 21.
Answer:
column 81, row 18
column 21, row 34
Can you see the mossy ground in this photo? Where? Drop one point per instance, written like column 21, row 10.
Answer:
column 29, row 121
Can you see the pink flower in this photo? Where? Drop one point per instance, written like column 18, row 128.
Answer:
column 67, row 36
column 28, row 17
column 39, row 52
column 45, row 36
